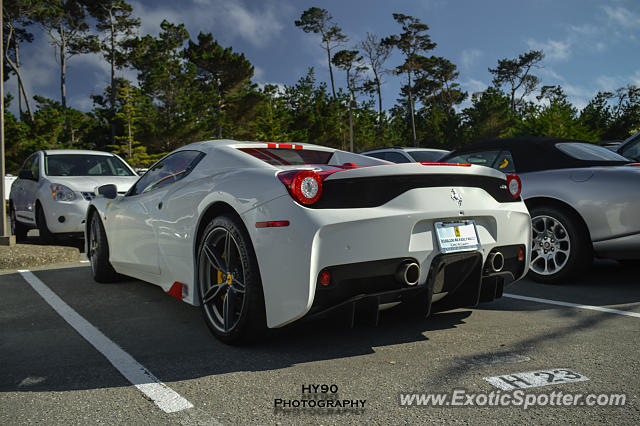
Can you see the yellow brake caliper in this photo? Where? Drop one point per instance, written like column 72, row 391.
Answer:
column 222, row 278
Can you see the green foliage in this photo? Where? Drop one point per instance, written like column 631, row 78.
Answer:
column 189, row 90
column 559, row 118
column 516, row 75
column 413, row 41
column 131, row 101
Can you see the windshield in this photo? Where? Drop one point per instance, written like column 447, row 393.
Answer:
column 632, row 149
column 427, row 156
column 589, row 152
column 84, row 165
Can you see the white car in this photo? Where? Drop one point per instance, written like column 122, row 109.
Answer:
column 8, row 182
column 54, row 188
column 263, row 234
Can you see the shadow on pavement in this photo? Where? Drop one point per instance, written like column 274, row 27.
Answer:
column 606, row 283
column 66, row 241
column 42, row 353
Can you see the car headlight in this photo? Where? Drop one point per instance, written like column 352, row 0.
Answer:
column 62, row 193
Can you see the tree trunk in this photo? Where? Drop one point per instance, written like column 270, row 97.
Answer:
column 351, row 99
column 413, row 122
column 112, row 59
column 16, row 68
column 21, row 82
column 333, row 88
column 63, row 87
column 63, row 76
column 378, row 89
column 129, row 138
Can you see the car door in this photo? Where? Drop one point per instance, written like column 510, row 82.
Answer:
column 17, row 190
column 32, row 186
column 25, row 190
column 132, row 220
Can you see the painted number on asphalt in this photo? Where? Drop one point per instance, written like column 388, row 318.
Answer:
column 532, row 379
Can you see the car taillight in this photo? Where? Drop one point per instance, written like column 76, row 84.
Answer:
column 305, row 186
column 514, row 185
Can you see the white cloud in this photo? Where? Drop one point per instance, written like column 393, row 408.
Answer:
column 548, row 72
column 635, row 78
column 469, row 57
column 585, row 30
column 257, row 25
column 554, row 50
column 81, row 102
column 258, row 73
column 608, row 83
column 473, row 85
column 622, row 16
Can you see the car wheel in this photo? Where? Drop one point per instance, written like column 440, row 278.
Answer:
column 560, row 247
column 98, row 252
column 18, row 229
column 46, row 236
column 229, row 284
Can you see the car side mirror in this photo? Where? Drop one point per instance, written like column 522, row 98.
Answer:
column 26, row 174
column 108, row 191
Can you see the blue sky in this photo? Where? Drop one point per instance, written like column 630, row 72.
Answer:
column 590, row 45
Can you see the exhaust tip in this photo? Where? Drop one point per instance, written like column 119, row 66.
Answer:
column 496, row 261
column 408, row 273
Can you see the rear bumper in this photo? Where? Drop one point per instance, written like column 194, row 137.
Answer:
column 290, row 258
column 454, row 280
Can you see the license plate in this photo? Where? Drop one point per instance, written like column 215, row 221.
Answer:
column 457, row 236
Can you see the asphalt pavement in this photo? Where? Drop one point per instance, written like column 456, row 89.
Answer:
column 51, row 373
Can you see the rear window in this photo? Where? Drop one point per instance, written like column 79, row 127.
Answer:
column 484, row 158
column 589, row 152
column 289, row 157
column 426, row 156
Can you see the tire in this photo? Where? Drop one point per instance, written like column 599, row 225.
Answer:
column 232, row 301
column 98, row 252
column 46, row 236
column 18, row 229
column 560, row 248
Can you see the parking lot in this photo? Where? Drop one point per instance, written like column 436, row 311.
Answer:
column 50, row 373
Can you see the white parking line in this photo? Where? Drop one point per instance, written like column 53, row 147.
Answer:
column 573, row 305
column 163, row 396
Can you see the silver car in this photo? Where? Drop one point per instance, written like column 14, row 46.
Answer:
column 630, row 147
column 54, row 188
column 584, row 200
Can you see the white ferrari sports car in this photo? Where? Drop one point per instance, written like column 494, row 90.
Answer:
column 263, row 234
